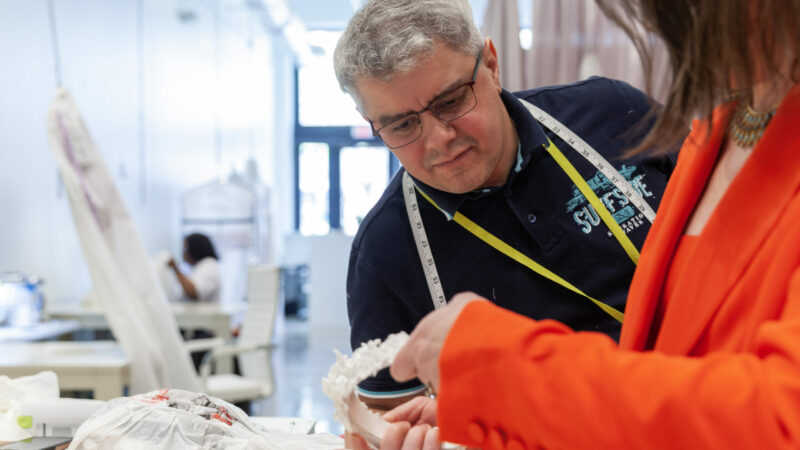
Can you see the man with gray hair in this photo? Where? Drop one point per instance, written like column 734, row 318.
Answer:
column 520, row 197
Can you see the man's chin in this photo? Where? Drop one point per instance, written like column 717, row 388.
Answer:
column 453, row 181
column 459, row 186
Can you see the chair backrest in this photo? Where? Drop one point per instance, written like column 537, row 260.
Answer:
column 263, row 290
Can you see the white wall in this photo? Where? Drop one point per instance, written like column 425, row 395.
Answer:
column 328, row 262
column 186, row 92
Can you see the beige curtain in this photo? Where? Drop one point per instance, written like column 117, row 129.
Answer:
column 501, row 23
column 572, row 40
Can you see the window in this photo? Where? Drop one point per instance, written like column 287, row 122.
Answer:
column 338, row 180
column 341, row 170
column 364, row 175
column 321, row 103
column 314, row 187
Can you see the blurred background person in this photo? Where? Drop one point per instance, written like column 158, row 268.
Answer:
column 203, row 283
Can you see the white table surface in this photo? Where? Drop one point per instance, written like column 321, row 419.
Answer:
column 188, row 315
column 212, row 316
column 97, row 366
column 39, row 331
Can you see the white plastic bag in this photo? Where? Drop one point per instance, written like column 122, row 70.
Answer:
column 16, row 391
column 177, row 419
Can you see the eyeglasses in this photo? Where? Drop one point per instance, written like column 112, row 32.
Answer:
column 448, row 107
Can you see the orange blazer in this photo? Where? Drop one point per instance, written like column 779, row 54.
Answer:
column 724, row 370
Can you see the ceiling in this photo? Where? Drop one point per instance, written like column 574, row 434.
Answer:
column 292, row 18
column 331, row 15
column 323, row 14
column 334, row 14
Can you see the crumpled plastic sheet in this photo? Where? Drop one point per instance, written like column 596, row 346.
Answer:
column 14, row 392
column 178, row 419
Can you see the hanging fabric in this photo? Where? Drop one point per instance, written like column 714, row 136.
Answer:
column 123, row 278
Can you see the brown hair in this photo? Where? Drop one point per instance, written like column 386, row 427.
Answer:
column 714, row 46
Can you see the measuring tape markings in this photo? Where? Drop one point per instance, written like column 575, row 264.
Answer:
column 421, row 240
column 591, row 155
column 583, row 148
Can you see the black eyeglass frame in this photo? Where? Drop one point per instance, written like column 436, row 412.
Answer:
column 469, row 84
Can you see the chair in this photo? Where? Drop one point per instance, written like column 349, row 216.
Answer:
column 253, row 346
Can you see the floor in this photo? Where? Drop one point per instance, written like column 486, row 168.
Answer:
column 301, row 360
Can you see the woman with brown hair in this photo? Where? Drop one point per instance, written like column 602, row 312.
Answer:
column 709, row 355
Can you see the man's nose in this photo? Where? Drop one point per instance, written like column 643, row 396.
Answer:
column 438, row 130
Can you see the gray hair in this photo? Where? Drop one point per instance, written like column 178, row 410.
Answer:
column 387, row 37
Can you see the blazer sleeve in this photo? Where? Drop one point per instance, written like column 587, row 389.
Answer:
column 555, row 388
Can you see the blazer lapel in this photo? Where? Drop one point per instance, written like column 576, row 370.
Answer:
column 695, row 162
column 739, row 225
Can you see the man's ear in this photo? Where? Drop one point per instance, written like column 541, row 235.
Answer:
column 489, row 55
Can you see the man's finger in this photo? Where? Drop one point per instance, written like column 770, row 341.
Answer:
column 432, row 441
column 355, row 442
column 394, row 435
column 410, row 411
column 415, row 437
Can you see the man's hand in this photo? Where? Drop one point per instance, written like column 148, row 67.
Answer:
column 413, row 426
column 172, row 264
column 420, row 356
column 416, row 411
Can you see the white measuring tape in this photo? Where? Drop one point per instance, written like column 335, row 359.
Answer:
column 591, row 155
column 423, row 246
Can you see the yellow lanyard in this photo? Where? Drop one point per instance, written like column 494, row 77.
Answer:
column 601, row 209
column 523, row 259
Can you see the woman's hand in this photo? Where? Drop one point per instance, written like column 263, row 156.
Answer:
column 186, row 284
column 419, row 358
